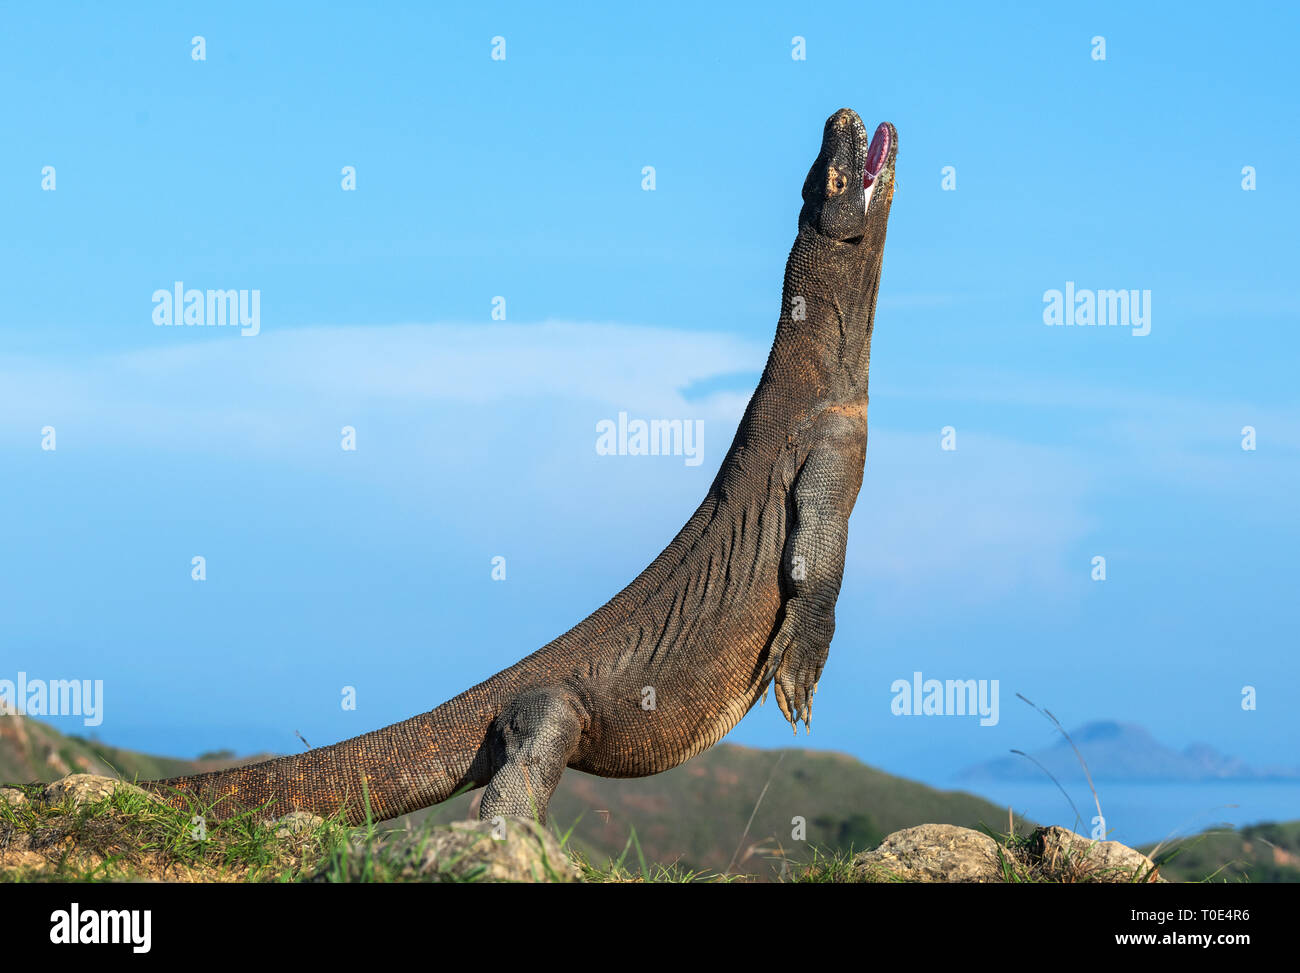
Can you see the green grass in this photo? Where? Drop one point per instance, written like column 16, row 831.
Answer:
column 832, row 867
column 128, row 835
column 617, row 871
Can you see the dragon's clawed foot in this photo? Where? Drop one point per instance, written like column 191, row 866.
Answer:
column 797, row 657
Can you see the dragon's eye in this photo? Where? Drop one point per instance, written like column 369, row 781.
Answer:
column 836, row 182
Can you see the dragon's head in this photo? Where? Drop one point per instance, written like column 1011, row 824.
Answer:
column 850, row 186
column 835, row 263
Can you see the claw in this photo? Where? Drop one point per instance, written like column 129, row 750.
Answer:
column 793, row 671
column 783, row 700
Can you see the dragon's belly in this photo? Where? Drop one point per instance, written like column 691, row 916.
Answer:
column 674, row 710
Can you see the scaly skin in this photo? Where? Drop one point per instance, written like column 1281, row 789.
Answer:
column 743, row 597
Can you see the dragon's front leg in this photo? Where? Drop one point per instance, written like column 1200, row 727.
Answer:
column 823, row 494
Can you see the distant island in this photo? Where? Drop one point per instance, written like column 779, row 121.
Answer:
column 1125, row 751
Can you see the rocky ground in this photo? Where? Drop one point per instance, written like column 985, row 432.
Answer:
column 85, row 826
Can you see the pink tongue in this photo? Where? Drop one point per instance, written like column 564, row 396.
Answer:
column 876, row 154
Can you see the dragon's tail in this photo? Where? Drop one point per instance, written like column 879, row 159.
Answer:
column 400, row 768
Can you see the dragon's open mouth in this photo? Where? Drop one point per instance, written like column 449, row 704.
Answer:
column 877, row 153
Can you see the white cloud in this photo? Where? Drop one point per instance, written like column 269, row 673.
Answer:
column 271, row 388
column 444, row 405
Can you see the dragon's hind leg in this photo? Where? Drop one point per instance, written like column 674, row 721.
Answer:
column 535, row 737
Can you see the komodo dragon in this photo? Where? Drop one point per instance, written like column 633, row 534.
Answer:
column 742, row 597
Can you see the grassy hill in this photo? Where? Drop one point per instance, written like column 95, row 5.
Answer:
column 34, row 751
column 1256, row 853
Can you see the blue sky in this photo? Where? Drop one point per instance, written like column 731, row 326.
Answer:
column 522, row 178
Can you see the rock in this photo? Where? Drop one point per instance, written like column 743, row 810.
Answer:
column 516, row 850
column 12, row 796
column 932, row 853
column 16, row 853
column 1062, row 852
column 295, row 822
column 85, row 789
column 946, row 853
